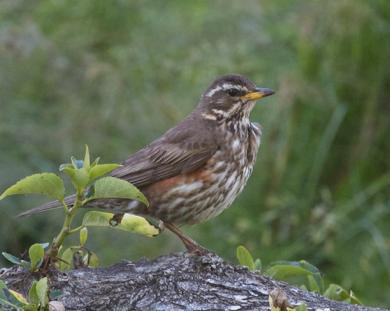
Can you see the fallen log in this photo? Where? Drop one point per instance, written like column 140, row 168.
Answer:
column 173, row 282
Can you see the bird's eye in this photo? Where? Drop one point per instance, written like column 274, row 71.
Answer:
column 234, row 92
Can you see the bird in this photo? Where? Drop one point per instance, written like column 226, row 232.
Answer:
column 196, row 169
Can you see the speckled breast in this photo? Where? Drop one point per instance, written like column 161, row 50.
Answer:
column 200, row 195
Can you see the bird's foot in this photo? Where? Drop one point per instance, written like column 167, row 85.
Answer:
column 196, row 249
column 191, row 246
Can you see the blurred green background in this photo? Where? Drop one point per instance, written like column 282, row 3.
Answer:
column 117, row 74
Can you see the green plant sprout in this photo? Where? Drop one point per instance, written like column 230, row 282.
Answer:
column 300, row 273
column 89, row 184
column 36, row 300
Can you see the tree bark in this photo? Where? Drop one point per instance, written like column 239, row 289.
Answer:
column 174, row 282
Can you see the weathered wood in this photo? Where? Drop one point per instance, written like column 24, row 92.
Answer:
column 173, row 282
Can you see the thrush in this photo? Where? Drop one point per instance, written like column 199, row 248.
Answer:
column 196, row 169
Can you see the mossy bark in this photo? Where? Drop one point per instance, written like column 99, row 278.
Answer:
column 173, row 282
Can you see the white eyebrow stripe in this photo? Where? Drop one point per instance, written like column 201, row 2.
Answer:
column 225, row 86
column 213, row 91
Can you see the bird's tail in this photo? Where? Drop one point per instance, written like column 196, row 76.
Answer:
column 48, row 206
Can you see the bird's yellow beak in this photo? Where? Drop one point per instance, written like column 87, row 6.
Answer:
column 258, row 93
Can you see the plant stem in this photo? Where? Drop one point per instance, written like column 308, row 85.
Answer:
column 76, row 229
column 65, row 230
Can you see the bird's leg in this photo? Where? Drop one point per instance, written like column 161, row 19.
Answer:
column 190, row 244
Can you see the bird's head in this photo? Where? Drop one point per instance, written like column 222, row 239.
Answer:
column 231, row 96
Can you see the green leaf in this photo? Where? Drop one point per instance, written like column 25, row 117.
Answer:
column 36, row 253
column 301, row 307
column 19, row 297
column 11, row 258
column 99, row 170
column 94, row 163
column 245, row 258
column 297, row 272
column 87, row 161
column 316, row 275
column 32, row 293
column 354, row 299
column 306, row 265
column 313, row 285
column 79, row 177
column 83, row 236
column 93, row 260
column 67, row 260
column 42, row 291
column 47, row 184
column 336, row 292
column 3, row 288
column 25, row 264
column 284, row 272
column 7, row 303
column 258, row 265
column 7, row 298
column 64, row 166
column 129, row 222
column 112, row 187
column 31, row 307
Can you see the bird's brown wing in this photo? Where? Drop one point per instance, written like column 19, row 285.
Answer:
column 149, row 165
column 178, row 151
column 161, row 161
